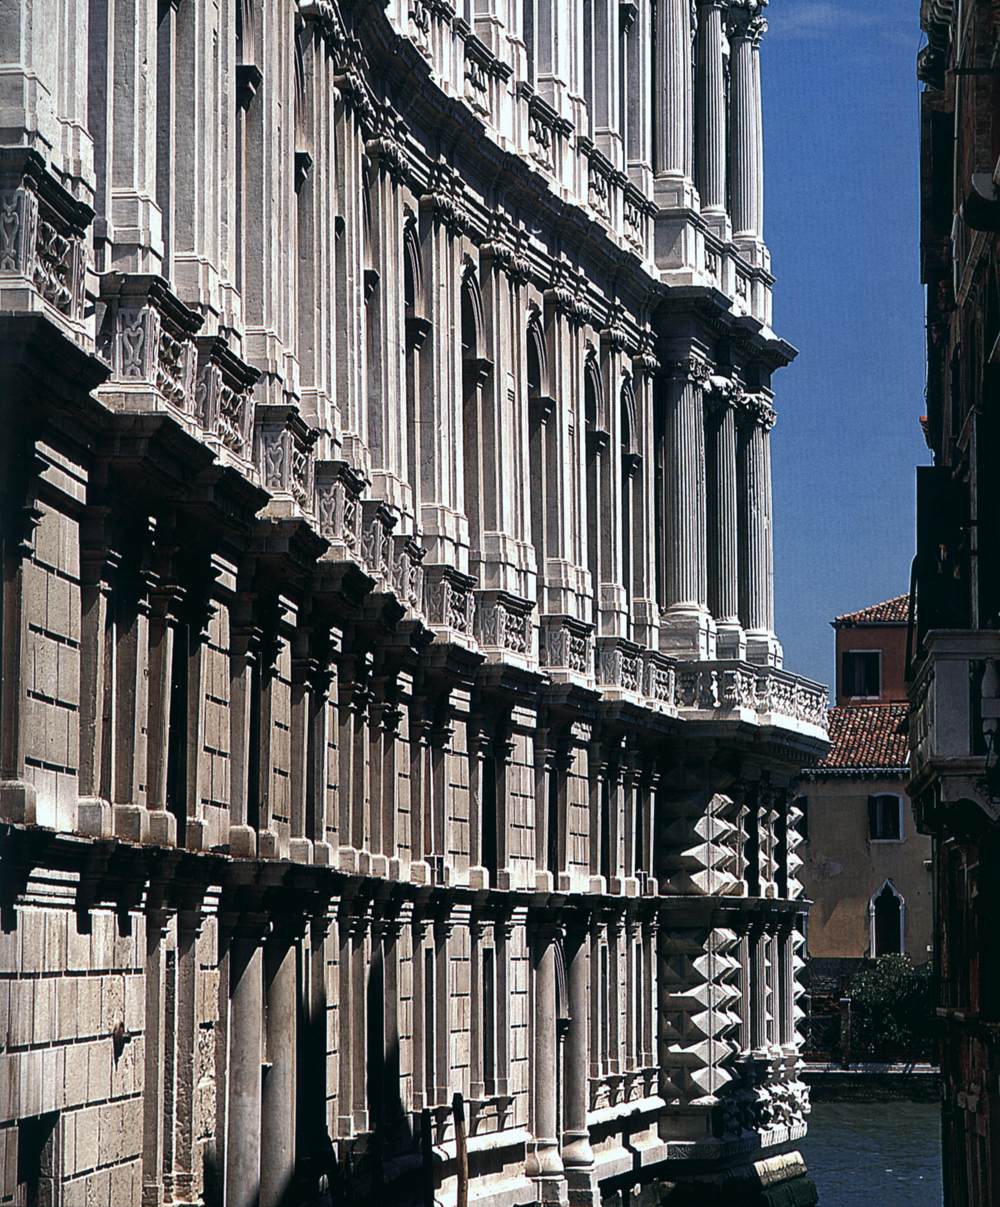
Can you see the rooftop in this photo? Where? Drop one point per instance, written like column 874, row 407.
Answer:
column 889, row 611
column 866, row 738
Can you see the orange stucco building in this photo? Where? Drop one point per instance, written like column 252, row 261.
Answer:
column 865, row 866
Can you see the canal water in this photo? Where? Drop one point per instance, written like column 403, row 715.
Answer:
column 875, row 1154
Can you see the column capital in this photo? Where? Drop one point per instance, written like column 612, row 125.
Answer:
column 746, row 19
column 691, row 368
column 757, row 411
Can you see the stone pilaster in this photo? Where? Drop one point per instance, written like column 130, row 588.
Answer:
column 674, row 101
column 757, row 556
column 746, row 28
column 687, row 628
column 711, row 115
column 129, row 233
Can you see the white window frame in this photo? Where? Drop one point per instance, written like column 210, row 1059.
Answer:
column 887, row 883
column 850, row 695
column 899, row 805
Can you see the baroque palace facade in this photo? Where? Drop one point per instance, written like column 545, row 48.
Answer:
column 391, row 706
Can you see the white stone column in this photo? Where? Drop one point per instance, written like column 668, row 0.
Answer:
column 723, row 520
column 674, row 117
column 543, row 1164
column 578, row 1155
column 277, row 1141
column 746, row 28
column 757, row 555
column 687, row 629
column 711, row 115
column 245, row 1049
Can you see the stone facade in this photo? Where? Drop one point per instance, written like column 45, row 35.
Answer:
column 954, row 687
column 391, row 706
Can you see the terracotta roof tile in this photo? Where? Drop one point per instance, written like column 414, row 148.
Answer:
column 889, row 611
column 866, row 737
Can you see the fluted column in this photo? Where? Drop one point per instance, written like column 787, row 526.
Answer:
column 543, row 1162
column 687, row 629
column 674, row 117
column 747, row 26
column 723, row 520
column 711, row 115
column 757, row 556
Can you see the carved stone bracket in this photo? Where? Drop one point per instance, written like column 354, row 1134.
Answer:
column 408, row 573
column 567, row 645
column 339, row 488
column 503, row 623
column 283, row 444
column 43, row 250
column 223, row 396
column 449, row 600
column 619, row 665
column 658, row 679
column 147, row 336
column 377, row 523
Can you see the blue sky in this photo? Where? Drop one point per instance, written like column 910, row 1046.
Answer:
column 841, row 140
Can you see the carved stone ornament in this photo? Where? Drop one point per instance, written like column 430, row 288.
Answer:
column 755, row 409
column 444, row 197
column 284, row 447
column 339, row 489
column 693, row 369
column 223, row 396
column 377, row 523
column 746, row 19
column 449, row 599
column 147, row 336
column 567, row 644
column 505, row 247
column 42, row 233
column 503, row 622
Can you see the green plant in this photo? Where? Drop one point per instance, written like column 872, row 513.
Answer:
column 892, row 1009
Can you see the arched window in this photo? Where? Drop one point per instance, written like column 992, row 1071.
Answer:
column 887, row 914
column 597, row 442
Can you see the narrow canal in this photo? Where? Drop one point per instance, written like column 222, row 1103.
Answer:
column 875, row 1154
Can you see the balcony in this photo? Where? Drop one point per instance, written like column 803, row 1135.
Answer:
column 947, row 746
